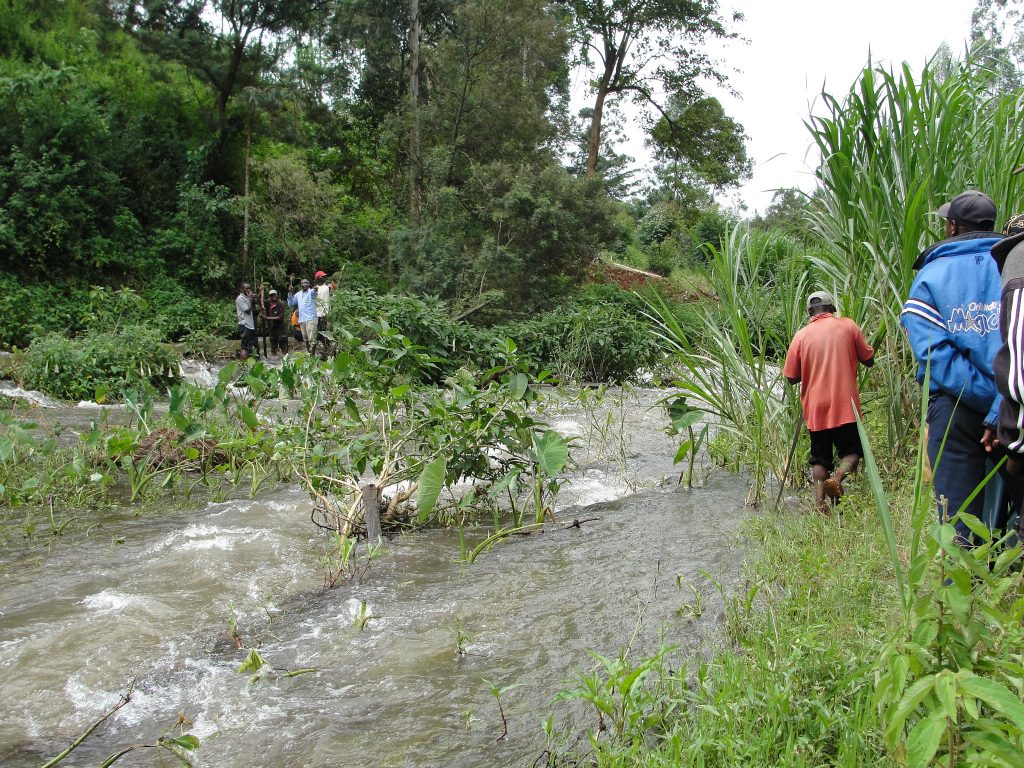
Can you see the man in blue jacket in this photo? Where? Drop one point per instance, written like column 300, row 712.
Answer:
column 304, row 301
column 952, row 320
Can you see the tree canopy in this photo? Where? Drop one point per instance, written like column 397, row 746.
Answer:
column 156, row 142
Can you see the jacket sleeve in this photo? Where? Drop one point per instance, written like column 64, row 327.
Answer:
column 951, row 371
column 1009, row 366
column 992, row 418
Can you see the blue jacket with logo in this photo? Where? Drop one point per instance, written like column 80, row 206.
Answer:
column 952, row 318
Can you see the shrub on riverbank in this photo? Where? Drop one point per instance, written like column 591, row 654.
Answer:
column 601, row 334
column 99, row 364
column 32, row 310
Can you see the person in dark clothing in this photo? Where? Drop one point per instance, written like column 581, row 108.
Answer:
column 952, row 321
column 245, row 310
column 273, row 316
column 1008, row 254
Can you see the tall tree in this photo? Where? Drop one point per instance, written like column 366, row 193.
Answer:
column 699, row 147
column 999, row 25
column 643, row 47
column 229, row 44
column 415, row 169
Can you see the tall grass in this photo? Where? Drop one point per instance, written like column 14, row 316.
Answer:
column 893, row 149
column 735, row 375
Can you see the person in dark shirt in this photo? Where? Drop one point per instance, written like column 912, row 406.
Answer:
column 273, row 316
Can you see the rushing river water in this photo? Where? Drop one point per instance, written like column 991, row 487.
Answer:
column 150, row 600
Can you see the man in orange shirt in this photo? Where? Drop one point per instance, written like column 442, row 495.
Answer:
column 823, row 359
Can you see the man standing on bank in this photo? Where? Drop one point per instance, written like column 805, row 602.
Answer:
column 823, row 359
column 273, row 316
column 304, row 301
column 244, row 310
column 952, row 322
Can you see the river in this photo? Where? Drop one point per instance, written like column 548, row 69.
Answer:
column 151, row 600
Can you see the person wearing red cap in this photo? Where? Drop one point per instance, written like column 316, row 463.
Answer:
column 323, row 299
column 823, row 358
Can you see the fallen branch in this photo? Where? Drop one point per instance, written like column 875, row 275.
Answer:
column 577, row 523
column 125, row 698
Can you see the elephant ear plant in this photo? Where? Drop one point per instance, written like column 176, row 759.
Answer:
column 415, row 439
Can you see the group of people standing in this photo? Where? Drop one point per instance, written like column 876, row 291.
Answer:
column 964, row 319
column 307, row 310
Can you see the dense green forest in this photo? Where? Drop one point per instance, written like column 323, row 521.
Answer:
column 428, row 147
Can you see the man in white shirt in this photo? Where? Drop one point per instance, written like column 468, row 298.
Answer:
column 323, row 299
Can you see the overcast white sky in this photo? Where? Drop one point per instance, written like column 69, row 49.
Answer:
column 797, row 46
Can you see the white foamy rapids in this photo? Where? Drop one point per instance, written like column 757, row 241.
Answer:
column 594, row 489
column 36, row 398
column 356, row 610
column 198, row 373
column 568, row 427
column 197, row 537
column 87, row 699
column 95, row 406
column 110, row 600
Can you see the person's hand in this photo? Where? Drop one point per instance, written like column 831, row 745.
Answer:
column 989, row 439
column 1015, row 464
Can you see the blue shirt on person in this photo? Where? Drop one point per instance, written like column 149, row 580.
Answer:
column 305, row 301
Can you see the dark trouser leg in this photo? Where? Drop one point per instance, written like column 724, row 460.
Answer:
column 1013, row 487
column 961, row 467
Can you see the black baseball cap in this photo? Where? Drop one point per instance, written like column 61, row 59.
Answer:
column 971, row 207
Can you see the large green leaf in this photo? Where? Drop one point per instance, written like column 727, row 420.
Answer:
column 687, row 419
column 923, row 741
column 429, row 488
column 253, row 662
column 552, row 452
column 518, row 384
column 248, row 416
column 683, row 452
column 996, row 695
column 995, row 744
column 912, row 698
column 227, row 373
column 187, row 741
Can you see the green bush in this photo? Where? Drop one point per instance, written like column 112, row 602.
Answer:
column 601, row 335
column 663, row 257
column 32, row 309
column 77, row 368
column 177, row 312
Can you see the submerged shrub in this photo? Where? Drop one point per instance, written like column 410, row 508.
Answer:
column 79, row 367
column 602, row 334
